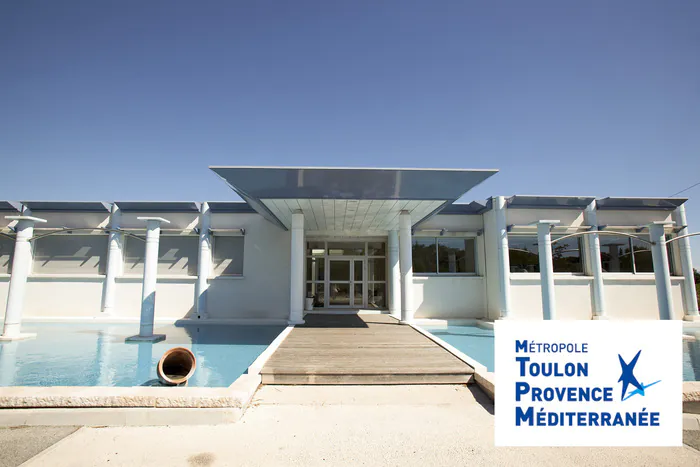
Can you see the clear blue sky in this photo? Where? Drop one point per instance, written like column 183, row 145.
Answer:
column 104, row 100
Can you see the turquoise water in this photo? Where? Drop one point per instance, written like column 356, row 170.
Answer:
column 470, row 340
column 96, row 354
column 478, row 344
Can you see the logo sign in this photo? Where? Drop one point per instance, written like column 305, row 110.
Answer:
column 588, row 383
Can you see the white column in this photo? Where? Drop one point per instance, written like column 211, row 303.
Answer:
column 204, row 261
column 544, row 246
column 21, row 265
column 394, row 273
column 499, row 206
column 8, row 363
column 406, row 266
column 115, row 262
column 150, row 278
column 661, row 272
column 296, row 284
column 594, row 266
column 689, row 294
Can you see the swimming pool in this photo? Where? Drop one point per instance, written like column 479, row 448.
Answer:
column 473, row 341
column 96, row 354
column 478, row 344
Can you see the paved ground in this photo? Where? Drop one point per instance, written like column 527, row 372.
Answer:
column 385, row 425
column 19, row 444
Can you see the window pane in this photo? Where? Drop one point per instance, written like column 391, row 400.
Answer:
column 642, row 256
column 358, row 272
column 376, row 269
column 228, row 256
column 315, row 248
column 340, row 270
column 358, row 295
column 456, row 255
column 7, row 249
column 315, row 269
column 346, row 248
column 523, row 254
column 376, row 249
column 566, row 255
column 315, row 290
column 615, row 253
column 339, row 295
column 176, row 255
column 424, row 255
column 376, row 296
column 70, row 254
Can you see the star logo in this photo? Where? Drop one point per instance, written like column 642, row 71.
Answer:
column 627, row 377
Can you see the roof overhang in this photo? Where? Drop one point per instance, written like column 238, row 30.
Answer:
column 349, row 199
column 661, row 204
column 158, row 206
column 549, row 202
column 67, row 206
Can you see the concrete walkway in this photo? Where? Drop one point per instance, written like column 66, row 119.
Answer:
column 342, row 425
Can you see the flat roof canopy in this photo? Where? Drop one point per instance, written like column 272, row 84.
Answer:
column 68, row 206
column 349, row 199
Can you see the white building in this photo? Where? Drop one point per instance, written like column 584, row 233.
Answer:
column 355, row 239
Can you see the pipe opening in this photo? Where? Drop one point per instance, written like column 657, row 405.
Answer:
column 176, row 366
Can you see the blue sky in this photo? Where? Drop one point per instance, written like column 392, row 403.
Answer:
column 134, row 99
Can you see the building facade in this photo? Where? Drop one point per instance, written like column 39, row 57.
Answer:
column 390, row 240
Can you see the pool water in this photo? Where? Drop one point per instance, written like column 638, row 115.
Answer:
column 96, row 354
column 473, row 341
column 478, row 344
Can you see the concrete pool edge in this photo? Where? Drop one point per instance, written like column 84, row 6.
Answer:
column 485, row 379
column 139, row 405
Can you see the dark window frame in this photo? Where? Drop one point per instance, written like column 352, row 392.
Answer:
column 437, row 257
column 529, row 236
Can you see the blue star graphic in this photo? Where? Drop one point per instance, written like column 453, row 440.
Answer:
column 627, row 376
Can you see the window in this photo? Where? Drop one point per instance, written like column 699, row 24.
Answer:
column 228, row 256
column 7, row 250
column 177, row 255
column 70, row 254
column 444, row 255
column 627, row 254
column 525, row 257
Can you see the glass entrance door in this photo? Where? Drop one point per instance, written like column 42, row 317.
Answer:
column 346, row 273
column 346, row 282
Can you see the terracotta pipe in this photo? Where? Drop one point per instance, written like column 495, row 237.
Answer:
column 176, row 366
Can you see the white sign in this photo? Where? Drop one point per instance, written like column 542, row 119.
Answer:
column 588, row 383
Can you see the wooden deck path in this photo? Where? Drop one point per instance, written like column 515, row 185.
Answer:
column 361, row 349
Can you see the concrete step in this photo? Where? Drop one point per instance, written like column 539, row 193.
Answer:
column 363, row 379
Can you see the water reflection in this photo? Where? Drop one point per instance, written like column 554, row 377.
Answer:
column 96, row 355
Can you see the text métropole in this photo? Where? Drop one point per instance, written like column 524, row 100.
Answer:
column 524, row 391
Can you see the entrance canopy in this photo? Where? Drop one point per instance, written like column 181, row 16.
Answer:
column 349, row 199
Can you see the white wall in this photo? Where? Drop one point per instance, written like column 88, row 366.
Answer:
column 449, row 297
column 263, row 290
column 174, row 297
column 568, row 217
column 571, row 293
column 631, row 217
column 76, row 220
column 58, row 297
column 454, row 222
column 635, row 297
column 178, row 220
